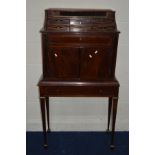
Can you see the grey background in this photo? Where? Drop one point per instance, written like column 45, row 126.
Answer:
column 74, row 114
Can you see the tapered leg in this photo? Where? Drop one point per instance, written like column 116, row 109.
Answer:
column 43, row 114
column 109, row 112
column 48, row 118
column 114, row 112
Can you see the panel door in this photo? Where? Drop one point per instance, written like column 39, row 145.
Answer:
column 96, row 63
column 63, row 62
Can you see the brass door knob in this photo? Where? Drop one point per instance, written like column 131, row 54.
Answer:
column 55, row 55
column 90, row 56
column 96, row 52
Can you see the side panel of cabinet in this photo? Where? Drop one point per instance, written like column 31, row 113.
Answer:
column 96, row 63
column 63, row 62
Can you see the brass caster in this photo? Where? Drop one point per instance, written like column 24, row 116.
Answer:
column 112, row 147
column 45, row 146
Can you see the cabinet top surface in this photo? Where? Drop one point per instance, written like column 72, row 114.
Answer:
column 78, row 9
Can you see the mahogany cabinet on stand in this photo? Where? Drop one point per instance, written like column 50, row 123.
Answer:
column 79, row 50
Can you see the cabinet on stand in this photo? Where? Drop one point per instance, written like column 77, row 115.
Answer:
column 79, row 50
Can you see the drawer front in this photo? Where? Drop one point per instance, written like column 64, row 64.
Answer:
column 91, row 28
column 58, row 21
column 58, row 24
column 59, row 28
column 79, row 91
column 106, row 40
column 79, row 21
column 87, row 21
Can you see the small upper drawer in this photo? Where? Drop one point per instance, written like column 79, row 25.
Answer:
column 58, row 28
column 79, row 21
column 105, row 40
column 58, row 21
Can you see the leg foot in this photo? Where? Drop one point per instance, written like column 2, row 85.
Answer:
column 45, row 146
column 112, row 147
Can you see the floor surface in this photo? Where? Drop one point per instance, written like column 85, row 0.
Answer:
column 77, row 143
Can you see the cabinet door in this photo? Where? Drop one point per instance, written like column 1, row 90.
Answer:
column 63, row 62
column 96, row 63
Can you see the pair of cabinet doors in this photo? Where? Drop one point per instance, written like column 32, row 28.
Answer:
column 83, row 63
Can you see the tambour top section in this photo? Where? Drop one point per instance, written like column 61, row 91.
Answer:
column 79, row 20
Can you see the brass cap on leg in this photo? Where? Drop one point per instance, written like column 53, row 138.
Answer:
column 45, row 146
